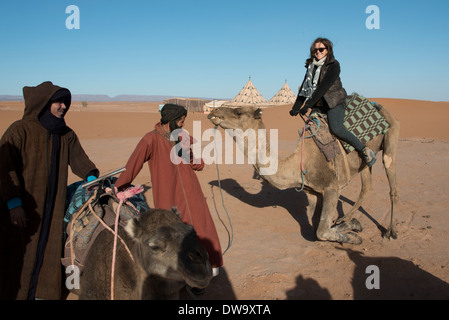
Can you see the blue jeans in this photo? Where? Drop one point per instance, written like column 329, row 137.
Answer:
column 335, row 117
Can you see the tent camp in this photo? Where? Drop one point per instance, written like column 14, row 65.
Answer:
column 284, row 96
column 208, row 107
column 248, row 96
column 191, row 104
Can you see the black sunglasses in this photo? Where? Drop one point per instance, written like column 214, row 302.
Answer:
column 319, row 49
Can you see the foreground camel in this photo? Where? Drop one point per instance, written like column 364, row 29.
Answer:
column 324, row 179
column 166, row 257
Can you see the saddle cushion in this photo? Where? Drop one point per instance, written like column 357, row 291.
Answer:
column 363, row 119
column 86, row 227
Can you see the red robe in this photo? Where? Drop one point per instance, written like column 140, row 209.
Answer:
column 174, row 186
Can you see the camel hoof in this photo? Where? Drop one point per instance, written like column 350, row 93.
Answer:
column 390, row 233
column 352, row 238
column 340, row 237
column 356, row 226
column 353, row 225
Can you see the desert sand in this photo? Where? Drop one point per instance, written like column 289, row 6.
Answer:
column 274, row 253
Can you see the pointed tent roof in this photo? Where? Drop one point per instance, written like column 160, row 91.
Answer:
column 248, row 96
column 284, row 96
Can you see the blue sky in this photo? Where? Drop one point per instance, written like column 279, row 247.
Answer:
column 209, row 48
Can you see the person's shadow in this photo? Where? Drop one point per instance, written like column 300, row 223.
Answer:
column 392, row 278
column 308, row 289
column 379, row 278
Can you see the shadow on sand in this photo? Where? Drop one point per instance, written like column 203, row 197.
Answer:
column 292, row 201
column 220, row 288
column 398, row 278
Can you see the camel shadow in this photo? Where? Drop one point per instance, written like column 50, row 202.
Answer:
column 294, row 202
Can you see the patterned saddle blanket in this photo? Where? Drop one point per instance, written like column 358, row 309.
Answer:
column 362, row 118
column 81, row 225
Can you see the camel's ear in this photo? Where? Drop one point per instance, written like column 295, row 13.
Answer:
column 258, row 114
column 132, row 228
column 175, row 210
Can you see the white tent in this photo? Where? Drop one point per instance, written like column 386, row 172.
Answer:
column 215, row 103
column 208, row 107
column 284, row 96
column 248, row 96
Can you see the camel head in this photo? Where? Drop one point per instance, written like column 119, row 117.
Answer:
column 237, row 118
column 168, row 248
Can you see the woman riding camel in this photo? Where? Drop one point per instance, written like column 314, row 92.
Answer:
column 322, row 90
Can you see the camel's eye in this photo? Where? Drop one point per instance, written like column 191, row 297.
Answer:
column 156, row 244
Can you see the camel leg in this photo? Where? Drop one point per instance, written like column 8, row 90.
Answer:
column 394, row 193
column 325, row 232
column 312, row 200
column 366, row 178
column 390, row 144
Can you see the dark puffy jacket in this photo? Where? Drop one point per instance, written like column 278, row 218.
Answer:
column 329, row 87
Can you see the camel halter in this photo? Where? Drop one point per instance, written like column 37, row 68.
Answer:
column 123, row 197
column 230, row 234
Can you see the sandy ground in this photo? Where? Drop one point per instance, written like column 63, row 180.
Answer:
column 274, row 253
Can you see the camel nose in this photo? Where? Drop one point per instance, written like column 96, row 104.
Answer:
column 197, row 255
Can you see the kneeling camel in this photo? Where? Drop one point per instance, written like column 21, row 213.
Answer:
column 323, row 179
column 166, row 257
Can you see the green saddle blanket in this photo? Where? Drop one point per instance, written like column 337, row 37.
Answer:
column 362, row 118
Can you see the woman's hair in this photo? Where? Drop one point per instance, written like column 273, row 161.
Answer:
column 326, row 42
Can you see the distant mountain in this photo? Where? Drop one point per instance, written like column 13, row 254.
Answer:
column 101, row 98
column 10, row 98
column 105, row 98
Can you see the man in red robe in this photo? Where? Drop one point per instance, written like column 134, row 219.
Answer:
column 174, row 182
